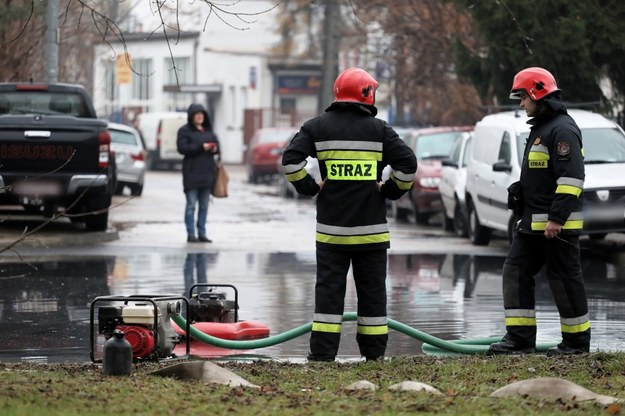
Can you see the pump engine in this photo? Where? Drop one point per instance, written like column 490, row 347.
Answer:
column 136, row 320
column 212, row 306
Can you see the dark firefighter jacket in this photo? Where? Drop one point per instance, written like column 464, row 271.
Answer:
column 552, row 174
column 352, row 147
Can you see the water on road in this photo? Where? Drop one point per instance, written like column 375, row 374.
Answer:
column 45, row 301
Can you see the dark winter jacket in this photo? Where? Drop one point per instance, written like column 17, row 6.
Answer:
column 353, row 148
column 198, row 165
column 552, row 174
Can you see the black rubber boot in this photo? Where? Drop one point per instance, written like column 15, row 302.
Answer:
column 321, row 358
column 506, row 347
column 563, row 349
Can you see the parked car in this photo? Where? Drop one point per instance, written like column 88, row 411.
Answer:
column 160, row 132
column 431, row 145
column 130, row 158
column 495, row 163
column 453, row 184
column 264, row 152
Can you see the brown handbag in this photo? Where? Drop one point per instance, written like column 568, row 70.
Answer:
column 220, row 189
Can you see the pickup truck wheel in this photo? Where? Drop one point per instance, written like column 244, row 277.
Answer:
column 99, row 221
column 479, row 235
column 119, row 189
column 136, row 189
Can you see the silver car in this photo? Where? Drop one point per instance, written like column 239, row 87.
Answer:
column 130, row 158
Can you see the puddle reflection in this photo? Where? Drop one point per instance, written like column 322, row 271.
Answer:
column 44, row 304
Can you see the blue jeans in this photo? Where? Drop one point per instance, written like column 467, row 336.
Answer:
column 196, row 196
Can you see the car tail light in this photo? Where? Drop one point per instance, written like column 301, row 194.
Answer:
column 104, row 149
column 158, row 138
column 138, row 156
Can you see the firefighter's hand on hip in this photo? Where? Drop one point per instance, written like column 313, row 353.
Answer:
column 552, row 229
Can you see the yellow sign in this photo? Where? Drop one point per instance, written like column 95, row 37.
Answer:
column 352, row 170
column 123, row 74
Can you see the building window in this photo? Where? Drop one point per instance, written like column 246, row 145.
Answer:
column 180, row 66
column 287, row 105
column 141, row 79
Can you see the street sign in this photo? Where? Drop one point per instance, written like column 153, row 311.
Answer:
column 123, row 73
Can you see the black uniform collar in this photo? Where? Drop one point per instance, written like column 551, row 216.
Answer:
column 346, row 106
column 554, row 105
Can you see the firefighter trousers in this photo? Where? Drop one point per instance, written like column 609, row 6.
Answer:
column 369, row 270
column 561, row 258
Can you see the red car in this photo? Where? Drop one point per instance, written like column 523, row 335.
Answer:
column 264, row 150
column 431, row 146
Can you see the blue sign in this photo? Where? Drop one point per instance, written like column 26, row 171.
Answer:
column 298, row 84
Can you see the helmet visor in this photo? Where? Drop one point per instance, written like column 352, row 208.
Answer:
column 516, row 94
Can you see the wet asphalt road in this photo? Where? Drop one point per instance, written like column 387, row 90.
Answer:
column 264, row 245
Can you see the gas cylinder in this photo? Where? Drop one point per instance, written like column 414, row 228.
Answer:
column 117, row 360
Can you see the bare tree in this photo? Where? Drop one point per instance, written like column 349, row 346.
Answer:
column 421, row 53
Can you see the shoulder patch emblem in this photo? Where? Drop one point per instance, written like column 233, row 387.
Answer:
column 563, row 148
column 537, row 141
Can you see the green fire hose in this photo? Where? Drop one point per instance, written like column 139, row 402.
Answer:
column 431, row 344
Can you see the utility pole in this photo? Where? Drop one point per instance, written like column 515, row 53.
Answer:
column 330, row 68
column 52, row 44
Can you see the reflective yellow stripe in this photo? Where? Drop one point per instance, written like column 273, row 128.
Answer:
column 321, row 327
column 373, row 330
column 573, row 329
column 401, row 184
column 538, row 156
column 569, row 225
column 356, row 239
column 568, row 189
column 520, row 321
column 349, row 155
column 352, row 170
column 299, row 175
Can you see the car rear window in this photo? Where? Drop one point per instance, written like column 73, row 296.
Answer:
column 435, row 146
column 273, row 136
column 123, row 137
column 42, row 102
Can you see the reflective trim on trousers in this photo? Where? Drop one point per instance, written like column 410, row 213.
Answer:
column 520, row 321
column 373, row 330
column 323, row 327
column 575, row 325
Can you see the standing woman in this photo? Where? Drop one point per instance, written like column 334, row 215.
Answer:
column 197, row 142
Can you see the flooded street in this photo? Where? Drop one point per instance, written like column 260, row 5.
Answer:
column 437, row 283
column 45, row 312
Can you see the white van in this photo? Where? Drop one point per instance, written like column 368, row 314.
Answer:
column 495, row 163
column 160, row 132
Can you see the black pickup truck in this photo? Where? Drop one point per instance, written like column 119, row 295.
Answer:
column 54, row 154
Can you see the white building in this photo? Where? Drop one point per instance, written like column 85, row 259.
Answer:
column 224, row 66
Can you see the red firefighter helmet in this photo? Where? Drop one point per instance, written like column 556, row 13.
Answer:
column 355, row 85
column 535, row 81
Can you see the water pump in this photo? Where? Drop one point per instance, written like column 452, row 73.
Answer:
column 146, row 324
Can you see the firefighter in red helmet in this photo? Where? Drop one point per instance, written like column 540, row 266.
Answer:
column 352, row 147
column 548, row 203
